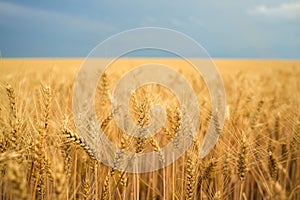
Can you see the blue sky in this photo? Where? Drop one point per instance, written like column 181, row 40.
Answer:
column 227, row 29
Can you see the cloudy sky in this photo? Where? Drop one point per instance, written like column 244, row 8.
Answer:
column 72, row 28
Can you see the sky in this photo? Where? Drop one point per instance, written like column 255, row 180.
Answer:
column 226, row 29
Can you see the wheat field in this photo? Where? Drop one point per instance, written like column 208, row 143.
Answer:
column 43, row 156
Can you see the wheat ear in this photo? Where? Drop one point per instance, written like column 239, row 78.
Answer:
column 242, row 158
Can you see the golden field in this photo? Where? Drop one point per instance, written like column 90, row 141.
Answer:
column 42, row 156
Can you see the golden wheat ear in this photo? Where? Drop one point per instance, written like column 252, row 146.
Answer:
column 242, row 158
column 74, row 137
column 190, row 175
column 13, row 139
